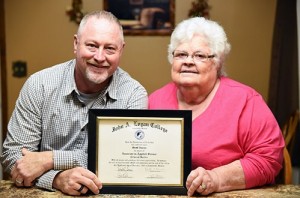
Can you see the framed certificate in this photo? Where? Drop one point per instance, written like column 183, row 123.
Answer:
column 140, row 151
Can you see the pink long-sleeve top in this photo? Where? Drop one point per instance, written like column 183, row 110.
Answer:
column 236, row 125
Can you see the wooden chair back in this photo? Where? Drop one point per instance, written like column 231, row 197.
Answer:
column 288, row 131
column 287, row 167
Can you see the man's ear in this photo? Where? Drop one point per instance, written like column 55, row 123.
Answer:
column 75, row 43
column 123, row 46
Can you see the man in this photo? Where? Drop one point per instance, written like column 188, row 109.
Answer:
column 47, row 137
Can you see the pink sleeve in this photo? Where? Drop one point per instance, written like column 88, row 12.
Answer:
column 264, row 145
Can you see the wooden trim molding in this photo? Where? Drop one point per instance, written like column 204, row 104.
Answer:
column 3, row 74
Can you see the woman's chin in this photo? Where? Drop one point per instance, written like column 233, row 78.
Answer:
column 187, row 83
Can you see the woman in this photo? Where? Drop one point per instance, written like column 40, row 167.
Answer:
column 236, row 141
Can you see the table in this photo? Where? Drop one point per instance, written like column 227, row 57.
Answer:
column 9, row 190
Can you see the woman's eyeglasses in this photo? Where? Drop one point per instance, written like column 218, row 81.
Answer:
column 196, row 56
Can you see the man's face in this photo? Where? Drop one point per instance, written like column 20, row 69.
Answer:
column 98, row 48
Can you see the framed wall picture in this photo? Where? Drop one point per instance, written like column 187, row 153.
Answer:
column 143, row 17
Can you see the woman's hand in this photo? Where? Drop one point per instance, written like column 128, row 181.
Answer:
column 202, row 181
column 220, row 179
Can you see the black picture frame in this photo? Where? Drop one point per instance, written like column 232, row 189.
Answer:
column 152, row 189
column 143, row 17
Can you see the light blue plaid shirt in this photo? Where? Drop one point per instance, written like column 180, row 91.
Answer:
column 48, row 116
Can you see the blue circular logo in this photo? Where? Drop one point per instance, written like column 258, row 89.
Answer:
column 139, row 134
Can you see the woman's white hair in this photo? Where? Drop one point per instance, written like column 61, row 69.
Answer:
column 211, row 32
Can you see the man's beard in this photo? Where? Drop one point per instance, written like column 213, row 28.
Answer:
column 96, row 78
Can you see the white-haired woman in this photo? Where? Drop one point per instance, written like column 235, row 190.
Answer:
column 236, row 141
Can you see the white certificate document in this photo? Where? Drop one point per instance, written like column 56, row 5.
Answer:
column 140, row 151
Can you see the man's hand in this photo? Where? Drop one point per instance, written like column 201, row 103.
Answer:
column 31, row 166
column 77, row 181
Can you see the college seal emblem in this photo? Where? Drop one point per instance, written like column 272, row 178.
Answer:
column 139, row 134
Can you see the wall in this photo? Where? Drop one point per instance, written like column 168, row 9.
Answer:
column 40, row 33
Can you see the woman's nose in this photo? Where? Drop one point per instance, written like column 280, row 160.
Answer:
column 189, row 60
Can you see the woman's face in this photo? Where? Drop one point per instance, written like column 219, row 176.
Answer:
column 198, row 68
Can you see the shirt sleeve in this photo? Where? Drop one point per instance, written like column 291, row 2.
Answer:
column 263, row 144
column 45, row 181
column 24, row 127
column 24, row 131
column 139, row 99
column 69, row 159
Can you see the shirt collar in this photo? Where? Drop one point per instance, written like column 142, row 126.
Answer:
column 70, row 84
column 112, row 88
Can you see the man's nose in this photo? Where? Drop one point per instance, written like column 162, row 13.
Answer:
column 99, row 54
